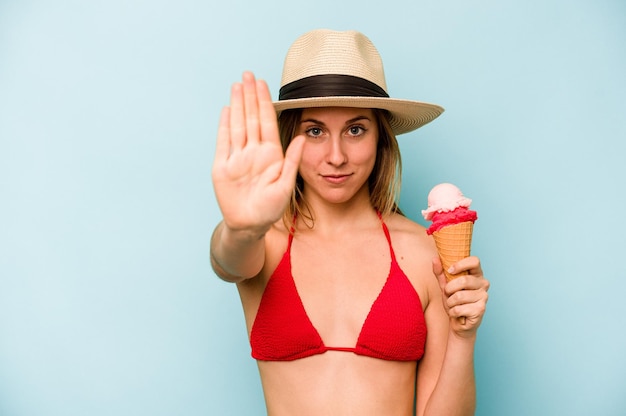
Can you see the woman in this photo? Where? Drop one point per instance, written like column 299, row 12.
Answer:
column 345, row 300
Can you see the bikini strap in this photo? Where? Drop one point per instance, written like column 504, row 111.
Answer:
column 292, row 231
column 387, row 235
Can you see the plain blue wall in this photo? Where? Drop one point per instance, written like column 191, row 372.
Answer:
column 108, row 114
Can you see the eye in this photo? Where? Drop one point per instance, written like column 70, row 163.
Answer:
column 356, row 130
column 314, row 132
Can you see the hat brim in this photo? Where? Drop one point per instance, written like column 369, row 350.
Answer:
column 406, row 115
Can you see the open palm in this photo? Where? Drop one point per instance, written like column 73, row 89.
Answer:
column 252, row 178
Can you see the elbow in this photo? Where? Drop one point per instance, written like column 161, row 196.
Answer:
column 225, row 275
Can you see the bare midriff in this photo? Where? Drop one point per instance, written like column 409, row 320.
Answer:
column 338, row 382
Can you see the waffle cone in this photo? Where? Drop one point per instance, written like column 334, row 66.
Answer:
column 453, row 244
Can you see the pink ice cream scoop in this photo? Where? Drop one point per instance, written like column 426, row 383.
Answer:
column 447, row 206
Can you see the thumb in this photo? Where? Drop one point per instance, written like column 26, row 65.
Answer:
column 439, row 274
column 293, row 155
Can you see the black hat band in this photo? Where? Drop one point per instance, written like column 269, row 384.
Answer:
column 330, row 85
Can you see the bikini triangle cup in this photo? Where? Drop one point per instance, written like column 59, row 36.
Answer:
column 394, row 329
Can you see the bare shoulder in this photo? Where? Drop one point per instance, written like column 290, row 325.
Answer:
column 414, row 250
column 407, row 235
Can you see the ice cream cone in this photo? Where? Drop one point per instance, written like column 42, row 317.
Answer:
column 453, row 244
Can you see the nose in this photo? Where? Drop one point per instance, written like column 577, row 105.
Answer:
column 336, row 152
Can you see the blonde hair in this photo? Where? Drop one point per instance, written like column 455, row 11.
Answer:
column 383, row 183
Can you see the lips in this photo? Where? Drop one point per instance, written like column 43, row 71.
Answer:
column 336, row 178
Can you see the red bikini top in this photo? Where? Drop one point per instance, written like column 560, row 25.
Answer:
column 395, row 328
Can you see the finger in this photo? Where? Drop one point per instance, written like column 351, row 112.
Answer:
column 293, row 155
column 462, row 282
column 458, row 312
column 475, row 310
column 267, row 113
column 463, row 297
column 251, row 105
column 469, row 264
column 222, row 149
column 237, row 117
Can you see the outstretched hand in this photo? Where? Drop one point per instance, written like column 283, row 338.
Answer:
column 252, row 178
column 465, row 297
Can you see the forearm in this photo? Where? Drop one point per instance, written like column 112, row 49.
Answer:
column 455, row 391
column 237, row 255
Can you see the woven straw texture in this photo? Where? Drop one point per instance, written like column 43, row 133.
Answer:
column 324, row 51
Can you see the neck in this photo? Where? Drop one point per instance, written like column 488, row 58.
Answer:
column 330, row 218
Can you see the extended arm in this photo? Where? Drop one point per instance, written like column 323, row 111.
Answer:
column 252, row 179
column 236, row 255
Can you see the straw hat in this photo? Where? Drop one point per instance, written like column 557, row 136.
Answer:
column 326, row 68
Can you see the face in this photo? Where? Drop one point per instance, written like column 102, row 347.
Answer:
column 339, row 152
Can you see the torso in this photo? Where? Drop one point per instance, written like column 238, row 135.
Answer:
column 337, row 289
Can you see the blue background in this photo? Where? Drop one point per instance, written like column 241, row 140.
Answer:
column 108, row 115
